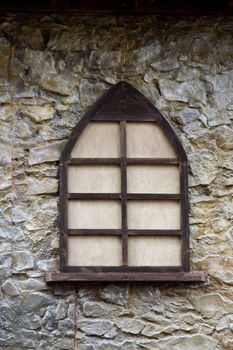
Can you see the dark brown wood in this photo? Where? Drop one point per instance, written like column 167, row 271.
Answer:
column 126, row 277
column 122, row 7
column 153, row 196
column 101, row 109
column 130, row 161
column 123, row 269
column 63, row 219
column 114, row 232
column 94, row 161
column 128, row 118
column 94, row 232
column 59, row 5
column 94, row 196
column 184, row 216
column 123, row 194
column 154, row 232
column 152, row 161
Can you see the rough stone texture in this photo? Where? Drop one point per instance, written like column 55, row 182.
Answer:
column 52, row 68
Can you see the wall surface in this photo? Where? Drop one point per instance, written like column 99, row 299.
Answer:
column 51, row 69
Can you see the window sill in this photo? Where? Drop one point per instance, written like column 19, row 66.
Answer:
column 196, row 276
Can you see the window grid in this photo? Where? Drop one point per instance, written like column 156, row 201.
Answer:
column 124, row 232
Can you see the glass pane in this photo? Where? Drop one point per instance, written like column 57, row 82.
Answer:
column 160, row 214
column 154, row 251
column 98, row 140
column 147, row 140
column 153, row 179
column 94, row 214
column 94, row 251
column 94, row 179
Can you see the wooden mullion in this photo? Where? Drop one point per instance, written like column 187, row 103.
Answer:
column 94, row 196
column 152, row 161
column 124, row 194
column 63, row 219
column 94, row 161
column 94, row 232
column 154, row 233
column 184, row 216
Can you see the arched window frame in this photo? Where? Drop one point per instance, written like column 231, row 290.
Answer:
column 124, row 103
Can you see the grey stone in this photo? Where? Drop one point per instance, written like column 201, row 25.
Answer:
column 48, row 153
column 148, row 51
column 34, row 284
column 31, row 301
column 97, row 327
column 61, row 311
column 151, row 330
column 185, row 91
column 165, row 65
column 40, row 63
column 93, row 309
column 22, row 260
column 6, row 154
column 193, row 342
column 48, row 265
column 212, row 305
column 115, row 294
column 38, row 113
column 58, row 84
column 131, row 326
column 31, row 322
column 11, row 287
column 224, row 137
column 47, row 185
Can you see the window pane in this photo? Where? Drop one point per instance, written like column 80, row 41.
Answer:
column 154, row 251
column 98, row 140
column 147, row 140
column 94, row 179
column 160, row 214
column 96, row 214
column 153, row 179
column 94, row 251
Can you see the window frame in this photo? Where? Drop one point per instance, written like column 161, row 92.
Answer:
column 124, row 104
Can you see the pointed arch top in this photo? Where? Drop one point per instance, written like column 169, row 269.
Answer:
column 124, row 195
column 123, row 102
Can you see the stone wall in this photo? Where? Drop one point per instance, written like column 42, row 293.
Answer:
column 51, row 69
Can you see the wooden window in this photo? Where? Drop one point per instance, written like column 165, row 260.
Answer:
column 124, row 195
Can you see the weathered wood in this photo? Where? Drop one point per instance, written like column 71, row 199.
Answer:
column 63, row 218
column 128, row 118
column 126, row 277
column 126, row 7
column 130, row 161
column 93, row 196
column 184, row 216
column 152, row 161
column 132, row 196
column 94, row 232
column 94, row 161
column 123, row 194
column 153, row 196
column 122, row 112
column 113, row 232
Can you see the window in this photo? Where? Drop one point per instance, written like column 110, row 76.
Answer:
column 124, row 195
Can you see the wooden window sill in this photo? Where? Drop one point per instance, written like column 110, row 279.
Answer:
column 196, row 276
